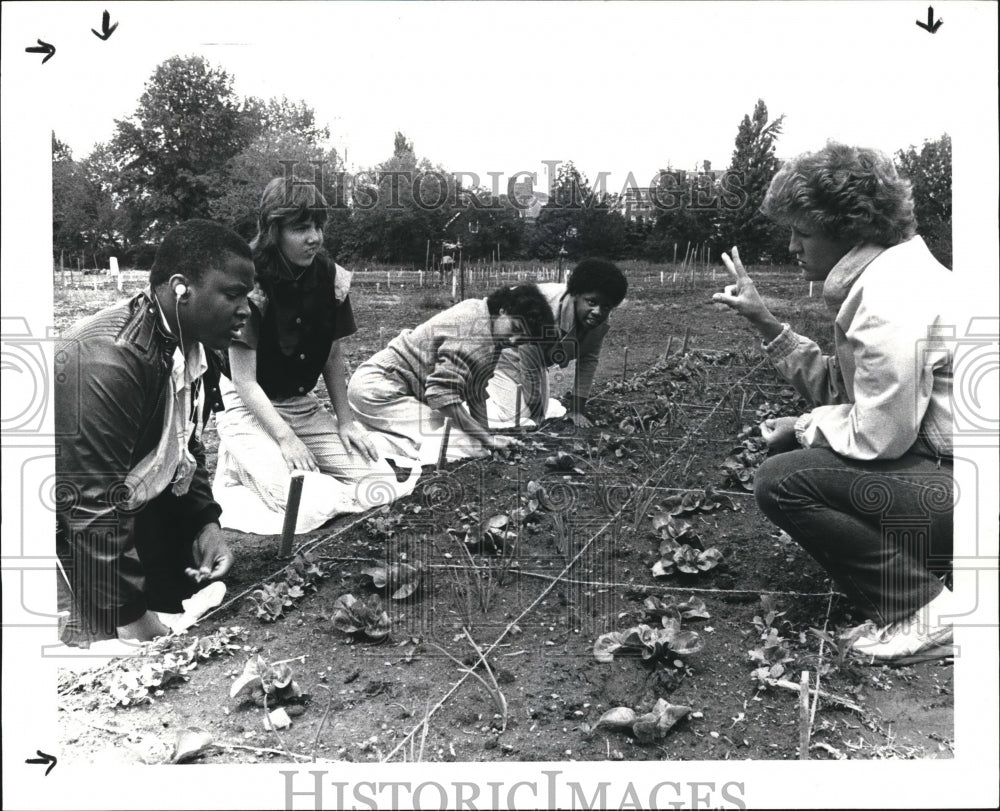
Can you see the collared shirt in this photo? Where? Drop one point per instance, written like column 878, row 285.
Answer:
column 171, row 461
column 294, row 321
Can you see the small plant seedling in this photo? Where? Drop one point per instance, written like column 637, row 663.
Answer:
column 263, row 683
column 361, row 617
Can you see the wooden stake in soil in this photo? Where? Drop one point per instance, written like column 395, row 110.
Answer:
column 625, row 365
column 444, row 443
column 810, row 289
column 291, row 515
column 804, row 716
column 517, row 408
column 670, row 343
column 687, row 337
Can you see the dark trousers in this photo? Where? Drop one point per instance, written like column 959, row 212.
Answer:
column 162, row 552
column 882, row 530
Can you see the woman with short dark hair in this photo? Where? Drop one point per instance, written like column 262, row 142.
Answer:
column 863, row 481
column 440, row 369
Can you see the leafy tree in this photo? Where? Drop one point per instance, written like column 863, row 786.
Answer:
column 755, row 164
column 86, row 222
column 172, row 151
column 486, row 222
column 929, row 170
column 70, row 202
column 687, row 209
column 577, row 217
column 398, row 206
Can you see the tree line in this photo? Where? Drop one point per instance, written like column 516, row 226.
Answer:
column 194, row 148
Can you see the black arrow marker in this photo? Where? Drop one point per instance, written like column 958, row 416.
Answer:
column 43, row 758
column 43, row 48
column 106, row 26
column 930, row 25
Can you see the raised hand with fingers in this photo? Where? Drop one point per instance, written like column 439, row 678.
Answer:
column 742, row 296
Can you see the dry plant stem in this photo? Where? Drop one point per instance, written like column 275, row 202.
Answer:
column 259, row 751
column 301, row 659
column 498, row 694
column 423, row 735
column 322, row 722
column 843, row 702
column 272, row 727
column 819, row 660
column 804, row 716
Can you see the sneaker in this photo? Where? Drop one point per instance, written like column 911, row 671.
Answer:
column 898, row 640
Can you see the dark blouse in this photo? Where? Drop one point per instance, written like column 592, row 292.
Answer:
column 294, row 321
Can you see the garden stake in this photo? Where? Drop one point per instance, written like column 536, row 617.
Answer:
column 444, row 442
column 670, row 343
column 804, row 716
column 517, row 409
column 687, row 337
column 625, row 364
column 291, row 516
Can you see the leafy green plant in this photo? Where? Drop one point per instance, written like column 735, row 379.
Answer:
column 655, row 643
column 401, row 579
column 383, row 524
column 167, row 663
column 742, row 462
column 772, row 656
column 361, row 617
column 676, row 557
column 270, row 600
column 646, row 728
column 263, row 683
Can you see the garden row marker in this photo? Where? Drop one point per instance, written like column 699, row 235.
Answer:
column 517, row 409
column 291, row 515
column 444, row 442
column 670, row 342
column 454, row 284
column 810, row 289
column 625, row 365
column 687, row 337
column 804, row 716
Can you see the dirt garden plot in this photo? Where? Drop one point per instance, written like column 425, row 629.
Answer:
column 606, row 594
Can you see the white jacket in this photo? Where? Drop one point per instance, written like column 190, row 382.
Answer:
column 889, row 381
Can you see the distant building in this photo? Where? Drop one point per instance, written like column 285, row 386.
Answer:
column 646, row 203
column 528, row 201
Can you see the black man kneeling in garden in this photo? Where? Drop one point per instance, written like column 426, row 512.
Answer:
column 137, row 527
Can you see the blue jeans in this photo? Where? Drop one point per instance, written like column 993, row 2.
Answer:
column 882, row 530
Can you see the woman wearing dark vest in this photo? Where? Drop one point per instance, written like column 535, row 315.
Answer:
column 274, row 424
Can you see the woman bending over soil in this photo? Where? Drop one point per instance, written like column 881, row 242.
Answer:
column 440, row 369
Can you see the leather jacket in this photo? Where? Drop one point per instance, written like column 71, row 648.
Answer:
column 111, row 383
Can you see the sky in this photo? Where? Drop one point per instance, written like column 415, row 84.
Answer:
column 618, row 88
column 486, row 87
